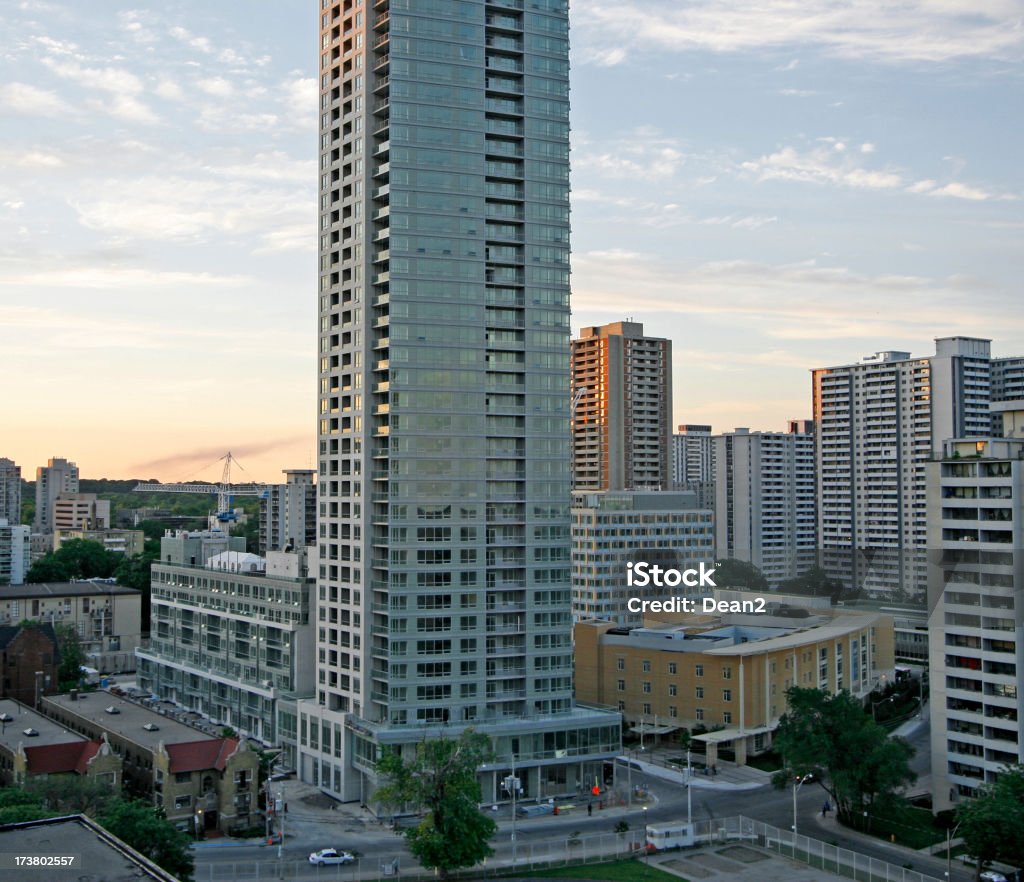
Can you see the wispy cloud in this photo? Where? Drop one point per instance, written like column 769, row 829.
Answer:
column 32, row 100
column 827, row 164
column 917, row 30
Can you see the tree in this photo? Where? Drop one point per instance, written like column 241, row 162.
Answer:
column 71, row 794
column 992, row 824
column 75, row 559
column 72, row 657
column 734, row 573
column 18, row 806
column 146, row 830
column 853, row 758
column 813, row 583
column 440, row 780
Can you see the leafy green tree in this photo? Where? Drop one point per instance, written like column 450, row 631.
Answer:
column 440, row 780
column 146, row 830
column 70, row 794
column 853, row 758
column 17, row 806
column 992, row 824
column 72, row 657
column 734, row 573
column 75, row 559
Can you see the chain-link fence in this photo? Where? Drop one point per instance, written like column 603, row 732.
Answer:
column 831, row 858
column 574, row 849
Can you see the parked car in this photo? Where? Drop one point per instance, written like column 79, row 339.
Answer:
column 992, row 876
column 330, row 856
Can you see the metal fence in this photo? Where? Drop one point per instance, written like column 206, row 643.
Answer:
column 575, row 849
column 831, row 858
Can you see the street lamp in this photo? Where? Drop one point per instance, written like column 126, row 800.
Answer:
column 689, row 800
column 798, row 782
column 646, row 852
column 874, row 706
column 949, row 850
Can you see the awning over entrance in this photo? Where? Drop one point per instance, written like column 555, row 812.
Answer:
column 720, row 735
column 648, row 729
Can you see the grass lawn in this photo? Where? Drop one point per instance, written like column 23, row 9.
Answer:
column 632, row 870
column 769, row 761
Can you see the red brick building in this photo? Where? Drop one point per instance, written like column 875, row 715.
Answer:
column 24, row 650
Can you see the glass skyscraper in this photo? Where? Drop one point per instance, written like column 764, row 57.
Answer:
column 443, row 584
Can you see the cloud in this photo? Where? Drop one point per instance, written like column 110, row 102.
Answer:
column 112, row 277
column 193, row 209
column 169, row 89
column 203, row 44
column 954, row 189
column 34, row 159
column 209, row 456
column 216, row 86
column 793, row 301
column 822, row 165
column 122, row 86
column 643, row 153
column 917, row 30
column 28, row 99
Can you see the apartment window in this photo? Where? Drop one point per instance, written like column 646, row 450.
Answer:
column 622, row 706
column 647, row 686
column 700, row 692
column 727, row 673
column 620, row 664
column 672, row 667
column 698, row 671
column 621, row 685
column 647, row 666
column 699, row 713
column 726, row 695
column 727, row 717
column 647, row 709
column 182, row 802
column 673, row 689
column 672, row 711
column 182, row 777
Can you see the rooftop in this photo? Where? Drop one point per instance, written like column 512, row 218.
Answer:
column 129, row 720
column 64, row 589
column 99, row 854
column 12, row 731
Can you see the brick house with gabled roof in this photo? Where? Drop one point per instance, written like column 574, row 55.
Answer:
column 24, row 650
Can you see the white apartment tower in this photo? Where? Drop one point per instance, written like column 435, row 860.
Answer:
column 765, row 500
column 622, row 409
column 693, row 456
column 10, row 491
column 878, row 423
column 976, row 603
column 288, row 513
column 56, row 477
column 443, row 587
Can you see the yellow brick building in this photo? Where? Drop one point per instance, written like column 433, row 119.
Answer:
column 728, row 672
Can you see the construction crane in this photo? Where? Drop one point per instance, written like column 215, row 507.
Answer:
column 225, row 490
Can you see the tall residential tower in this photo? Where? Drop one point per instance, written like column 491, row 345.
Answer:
column 443, row 577
column 622, row 409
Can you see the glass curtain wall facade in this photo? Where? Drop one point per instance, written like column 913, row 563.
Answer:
column 444, row 582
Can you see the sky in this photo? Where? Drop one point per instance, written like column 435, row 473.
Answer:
column 775, row 186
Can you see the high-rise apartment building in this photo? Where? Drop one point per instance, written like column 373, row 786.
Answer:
column 765, row 500
column 56, row 477
column 288, row 513
column 693, row 456
column 622, row 409
column 443, row 576
column 80, row 511
column 10, row 491
column 976, row 616
column 15, row 552
column 878, row 423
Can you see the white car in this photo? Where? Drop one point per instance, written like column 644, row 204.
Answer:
column 330, row 856
column 992, row 876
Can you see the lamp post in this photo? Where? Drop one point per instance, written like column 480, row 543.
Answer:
column 689, row 801
column 874, row 706
column 949, row 850
column 511, row 783
column 646, row 852
column 798, row 782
